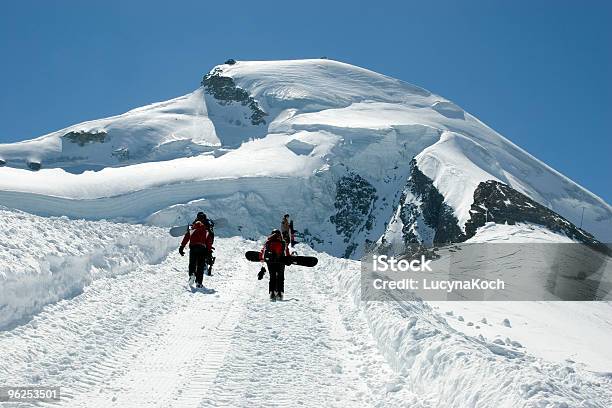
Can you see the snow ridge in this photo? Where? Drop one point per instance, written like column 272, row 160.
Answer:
column 45, row 260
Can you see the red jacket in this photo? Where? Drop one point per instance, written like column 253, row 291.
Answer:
column 276, row 246
column 198, row 234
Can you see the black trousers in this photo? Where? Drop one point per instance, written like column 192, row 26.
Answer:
column 197, row 261
column 277, row 277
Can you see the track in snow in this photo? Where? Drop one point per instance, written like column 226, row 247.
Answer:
column 144, row 339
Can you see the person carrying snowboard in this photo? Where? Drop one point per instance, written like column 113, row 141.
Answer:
column 200, row 239
column 272, row 254
column 287, row 230
column 210, row 225
column 284, row 228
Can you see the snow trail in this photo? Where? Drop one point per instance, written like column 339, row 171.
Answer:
column 301, row 352
column 145, row 339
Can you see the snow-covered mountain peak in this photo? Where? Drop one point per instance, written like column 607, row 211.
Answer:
column 319, row 82
column 102, row 308
column 355, row 156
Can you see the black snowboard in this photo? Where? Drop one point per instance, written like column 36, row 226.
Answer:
column 309, row 261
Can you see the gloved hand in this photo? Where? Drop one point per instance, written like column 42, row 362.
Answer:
column 261, row 273
column 182, row 250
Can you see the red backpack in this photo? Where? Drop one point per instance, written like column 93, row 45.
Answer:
column 274, row 249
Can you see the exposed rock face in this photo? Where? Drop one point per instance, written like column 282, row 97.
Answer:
column 423, row 219
column 225, row 91
column 82, row 137
column 409, row 215
column 497, row 202
column 436, row 214
column 421, row 203
column 34, row 165
column 354, row 202
column 122, row 154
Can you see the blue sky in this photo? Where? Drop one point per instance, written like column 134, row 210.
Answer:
column 539, row 72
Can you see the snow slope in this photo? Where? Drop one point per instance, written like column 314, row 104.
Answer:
column 143, row 338
column 516, row 234
column 257, row 133
column 454, row 367
column 573, row 333
column 160, row 131
column 44, row 260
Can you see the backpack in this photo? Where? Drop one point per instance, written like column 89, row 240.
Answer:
column 275, row 249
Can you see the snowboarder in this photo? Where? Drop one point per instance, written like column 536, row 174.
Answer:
column 273, row 250
column 287, row 230
column 200, row 239
column 210, row 225
column 207, row 222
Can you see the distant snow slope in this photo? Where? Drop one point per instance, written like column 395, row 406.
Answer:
column 513, row 234
column 328, row 142
column 160, row 131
